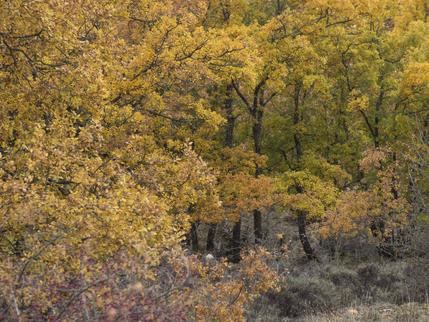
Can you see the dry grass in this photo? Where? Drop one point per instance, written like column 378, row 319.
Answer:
column 410, row 312
column 333, row 292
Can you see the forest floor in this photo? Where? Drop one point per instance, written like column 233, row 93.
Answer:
column 411, row 312
column 359, row 285
column 335, row 293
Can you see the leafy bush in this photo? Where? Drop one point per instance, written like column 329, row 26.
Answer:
column 182, row 288
column 305, row 295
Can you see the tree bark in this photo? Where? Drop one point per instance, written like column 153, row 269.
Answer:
column 374, row 129
column 229, row 142
column 296, row 121
column 230, row 117
column 211, row 237
column 378, row 105
column 257, row 131
column 193, row 238
column 257, row 226
column 256, row 109
column 301, row 219
column 236, row 242
column 257, row 139
column 301, row 215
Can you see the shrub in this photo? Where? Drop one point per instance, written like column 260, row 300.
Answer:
column 305, row 295
column 368, row 274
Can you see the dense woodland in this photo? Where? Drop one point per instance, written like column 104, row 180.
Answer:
column 213, row 160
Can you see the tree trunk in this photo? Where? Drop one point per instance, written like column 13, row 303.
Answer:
column 257, row 225
column 193, row 238
column 256, row 110
column 229, row 142
column 211, row 237
column 236, row 242
column 296, row 121
column 378, row 105
column 257, row 140
column 279, row 7
column 302, row 217
column 257, row 131
column 230, row 117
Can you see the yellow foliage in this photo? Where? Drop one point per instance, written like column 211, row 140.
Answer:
column 224, row 298
column 303, row 191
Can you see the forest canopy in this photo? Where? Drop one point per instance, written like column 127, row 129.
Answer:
column 137, row 136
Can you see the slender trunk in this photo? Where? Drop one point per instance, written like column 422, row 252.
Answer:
column 296, row 121
column 256, row 110
column 302, row 231
column 230, row 117
column 279, row 7
column 378, row 226
column 378, row 105
column 257, row 131
column 257, row 225
column 302, row 218
column 301, row 215
column 194, row 237
column 257, row 139
column 211, row 237
column 229, row 142
column 425, row 131
column 236, row 242
column 394, row 183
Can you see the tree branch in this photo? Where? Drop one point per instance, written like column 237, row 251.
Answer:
column 241, row 95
